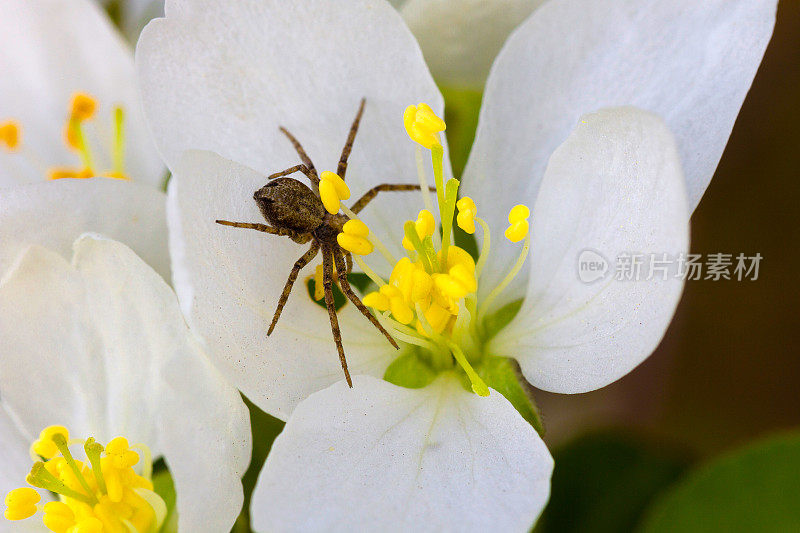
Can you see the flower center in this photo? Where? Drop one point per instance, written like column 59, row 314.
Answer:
column 430, row 299
column 101, row 494
column 80, row 121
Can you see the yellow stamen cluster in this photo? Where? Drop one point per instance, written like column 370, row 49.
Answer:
column 353, row 238
column 10, row 135
column 332, row 190
column 422, row 125
column 430, row 299
column 102, row 494
column 83, row 108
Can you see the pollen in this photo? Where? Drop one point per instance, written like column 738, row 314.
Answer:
column 10, row 135
column 332, row 190
column 422, row 125
column 103, row 493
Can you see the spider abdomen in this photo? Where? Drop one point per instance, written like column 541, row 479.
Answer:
column 287, row 203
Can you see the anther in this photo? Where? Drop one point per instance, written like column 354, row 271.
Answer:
column 466, row 214
column 44, row 445
column 82, row 107
column 21, row 503
column 518, row 220
column 10, row 135
column 353, row 237
column 422, row 125
column 425, row 226
column 332, row 190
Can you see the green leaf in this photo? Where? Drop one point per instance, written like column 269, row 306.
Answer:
column 603, row 482
column 500, row 318
column 164, row 487
column 461, row 110
column 409, row 371
column 500, row 374
column 265, row 429
column 756, row 488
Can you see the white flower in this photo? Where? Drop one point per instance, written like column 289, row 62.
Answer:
column 461, row 38
column 52, row 52
column 134, row 14
column 223, row 79
column 99, row 346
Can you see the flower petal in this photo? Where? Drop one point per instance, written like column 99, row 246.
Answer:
column 229, row 281
column 690, row 62
column 224, row 76
column 378, row 456
column 54, row 214
column 15, row 463
column 52, row 49
column 614, row 187
column 460, row 38
column 101, row 347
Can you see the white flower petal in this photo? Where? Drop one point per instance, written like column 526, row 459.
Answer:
column 97, row 346
column 380, row 457
column 460, row 38
column 15, row 463
column 690, row 62
column 52, row 49
column 224, row 76
column 615, row 186
column 55, row 213
column 229, row 281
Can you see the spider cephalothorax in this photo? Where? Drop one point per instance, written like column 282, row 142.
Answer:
column 297, row 211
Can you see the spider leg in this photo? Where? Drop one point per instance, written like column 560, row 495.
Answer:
column 327, row 282
column 287, row 289
column 373, row 192
column 349, row 257
column 348, row 146
column 284, row 232
column 291, row 170
column 348, row 291
column 312, row 171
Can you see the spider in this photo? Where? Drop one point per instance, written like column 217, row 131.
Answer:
column 296, row 211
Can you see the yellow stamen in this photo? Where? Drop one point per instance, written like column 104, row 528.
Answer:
column 422, row 125
column 118, row 147
column 10, row 135
column 332, row 190
column 108, row 496
column 353, row 237
column 518, row 218
column 44, row 445
column 466, row 214
column 83, row 107
column 58, row 516
column 21, row 503
column 68, row 173
column 319, row 289
column 425, row 226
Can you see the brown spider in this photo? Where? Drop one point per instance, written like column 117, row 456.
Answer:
column 296, row 211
